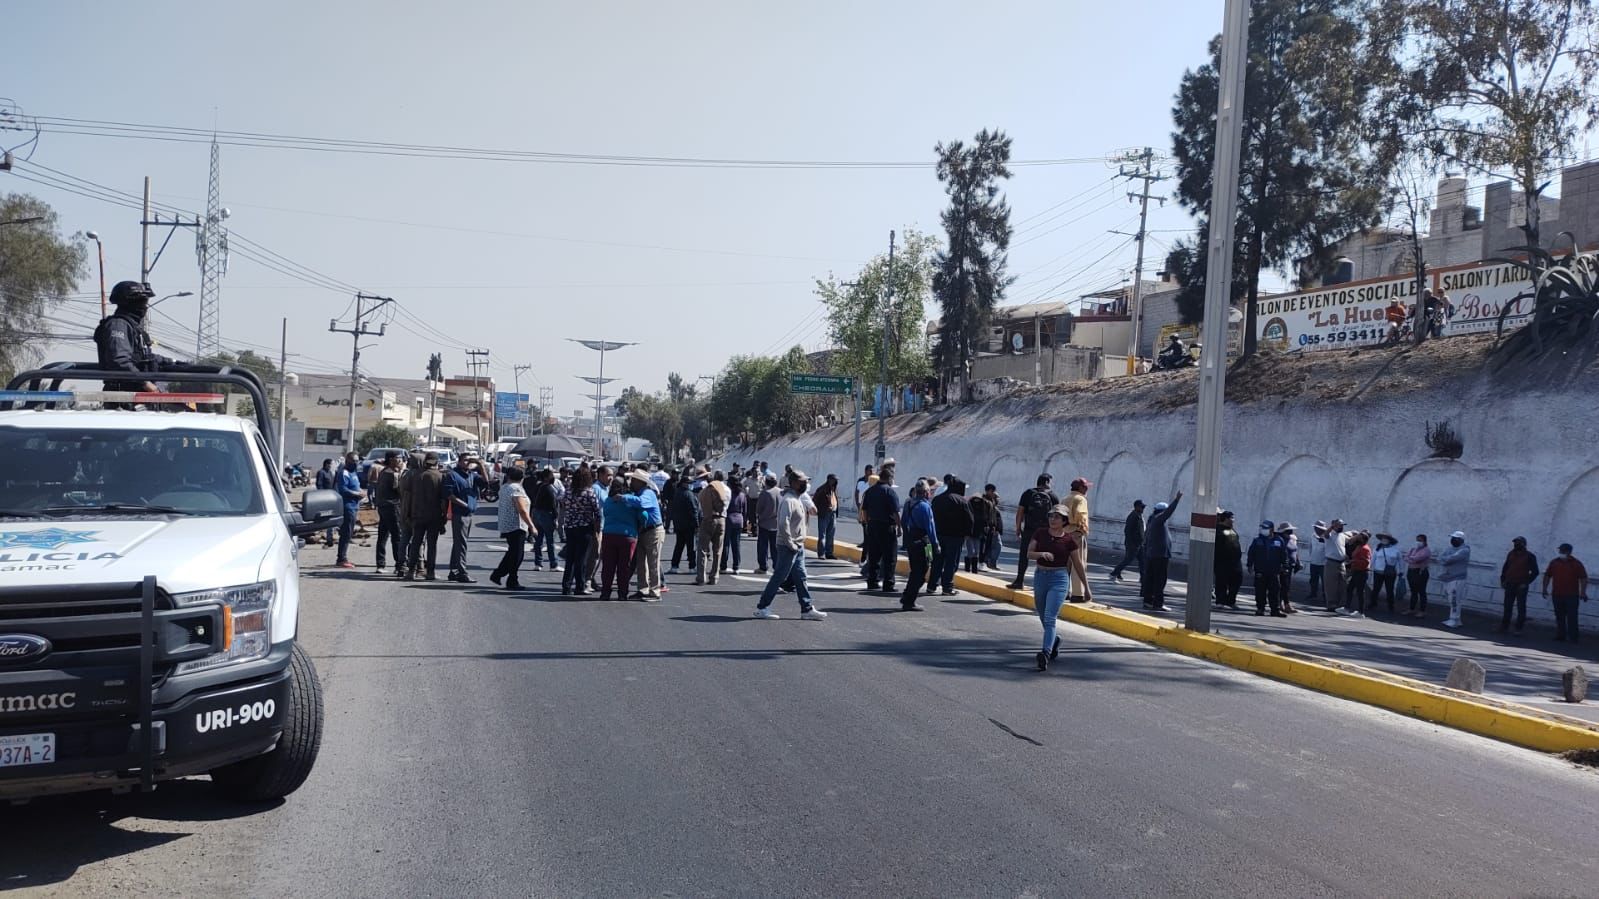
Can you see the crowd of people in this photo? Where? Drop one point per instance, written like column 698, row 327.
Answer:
column 604, row 529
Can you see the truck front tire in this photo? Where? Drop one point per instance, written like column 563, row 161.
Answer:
column 281, row 771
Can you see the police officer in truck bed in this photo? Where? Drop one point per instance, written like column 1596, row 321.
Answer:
column 122, row 341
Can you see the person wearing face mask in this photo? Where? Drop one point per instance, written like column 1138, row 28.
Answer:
column 1335, row 570
column 1267, row 556
column 1385, row 561
column 348, row 483
column 1418, row 558
column 1455, row 561
column 1519, row 571
column 1229, row 561
column 462, row 485
column 1570, row 582
column 1291, row 566
column 122, row 342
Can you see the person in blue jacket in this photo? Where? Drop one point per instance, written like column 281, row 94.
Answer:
column 462, row 487
column 348, row 483
column 920, row 541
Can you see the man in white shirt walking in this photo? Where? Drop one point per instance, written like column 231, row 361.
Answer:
column 788, row 562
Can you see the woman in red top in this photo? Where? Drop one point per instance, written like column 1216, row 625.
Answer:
column 1359, row 570
column 1058, row 555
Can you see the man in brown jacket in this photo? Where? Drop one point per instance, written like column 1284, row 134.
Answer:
column 423, row 505
column 713, row 527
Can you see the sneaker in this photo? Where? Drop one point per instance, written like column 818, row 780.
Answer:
column 672, row 570
column 813, row 614
column 950, row 591
column 650, row 597
column 1452, row 622
column 1015, row 585
column 496, row 578
column 767, row 613
column 913, row 607
column 1043, row 660
column 1115, row 578
column 344, row 564
column 1279, row 614
column 1357, row 614
column 636, row 594
column 1054, row 651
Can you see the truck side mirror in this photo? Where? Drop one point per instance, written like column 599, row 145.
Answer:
column 320, row 510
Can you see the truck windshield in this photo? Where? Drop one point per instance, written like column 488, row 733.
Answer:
column 60, row 472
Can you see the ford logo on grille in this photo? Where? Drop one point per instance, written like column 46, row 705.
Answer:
column 21, row 647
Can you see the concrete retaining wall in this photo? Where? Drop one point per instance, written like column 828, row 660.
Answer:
column 1530, row 465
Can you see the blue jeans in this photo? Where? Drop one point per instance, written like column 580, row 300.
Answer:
column 786, row 562
column 1049, row 594
column 545, row 522
column 948, row 559
column 732, row 548
column 826, row 528
column 346, row 531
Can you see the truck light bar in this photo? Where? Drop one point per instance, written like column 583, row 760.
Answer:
column 106, row 396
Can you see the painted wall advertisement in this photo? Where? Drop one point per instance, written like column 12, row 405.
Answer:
column 1354, row 314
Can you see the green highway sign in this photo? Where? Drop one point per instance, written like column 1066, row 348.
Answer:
column 843, row 386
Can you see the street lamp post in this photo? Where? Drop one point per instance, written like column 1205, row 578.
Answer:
column 100, row 247
column 603, row 346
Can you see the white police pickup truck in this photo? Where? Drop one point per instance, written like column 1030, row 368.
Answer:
column 149, row 591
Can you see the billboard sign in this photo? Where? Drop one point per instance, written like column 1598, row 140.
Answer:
column 509, row 406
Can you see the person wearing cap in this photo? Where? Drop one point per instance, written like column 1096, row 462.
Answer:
column 1318, row 561
column 686, row 519
column 1336, row 575
column 953, row 522
column 1385, row 562
column 1515, row 576
column 921, row 544
column 1569, row 580
column 462, row 485
column 788, row 560
column 647, row 552
column 1267, row 556
column 1455, row 562
column 1156, row 567
column 1057, row 551
column 1132, row 540
column 425, row 505
column 1291, row 565
column 882, row 508
column 768, row 515
column 386, row 499
column 1032, row 513
column 123, row 344
column 1418, row 562
column 1229, row 568
column 713, row 527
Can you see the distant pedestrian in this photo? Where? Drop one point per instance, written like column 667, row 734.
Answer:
column 1515, row 576
column 983, row 514
column 348, row 483
column 826, row 499
column 1154, row 571
column 1569, row 581
column 921, row 545
column 768, row 511
column 713, row 527
column 1386, row 560
column 647, row 553
column 686, row 519
column 543, row 502
column 788, row 559
column 386, row 499
column 620, row 517
column 1032, row 514
column 327, row 479
column 425, row 504
column 580, row 517
column 1456, row 561
column 733, row 540
column 1076, row 503
column 1268, row 553
column 462, row 485
column 995, row 540
column 1359, row 546
column 1418, row 562
column 952, row 520
column 861, row 486
column 1056, row 550
column 1318, row 561
column 1132, row 540
column 1229, row 567
column 406, row 563
column 1291, row 564
column 881, row 505
column 515, row 524
column 1336, row 575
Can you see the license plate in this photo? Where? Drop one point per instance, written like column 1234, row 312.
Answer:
column 27, row 749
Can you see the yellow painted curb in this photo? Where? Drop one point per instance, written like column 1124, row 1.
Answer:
column 1507, row 721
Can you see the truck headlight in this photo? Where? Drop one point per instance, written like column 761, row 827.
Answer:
column 246, row 623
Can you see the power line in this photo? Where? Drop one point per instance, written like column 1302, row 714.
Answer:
column 260, row 139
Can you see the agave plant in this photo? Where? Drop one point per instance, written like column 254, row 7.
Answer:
column 1565, row 301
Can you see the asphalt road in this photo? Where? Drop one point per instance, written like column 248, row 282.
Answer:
column 480, row 743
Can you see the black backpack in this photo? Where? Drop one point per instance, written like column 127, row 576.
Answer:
column 1036, row 504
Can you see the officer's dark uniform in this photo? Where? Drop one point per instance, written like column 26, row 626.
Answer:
column 121, row 340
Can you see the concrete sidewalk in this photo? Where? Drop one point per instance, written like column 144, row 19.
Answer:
column 1523, row 669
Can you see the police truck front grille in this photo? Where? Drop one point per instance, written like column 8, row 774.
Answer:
column 96, row 626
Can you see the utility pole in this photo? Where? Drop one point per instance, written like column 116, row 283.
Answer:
column 144, row 236
column 546, row 401
column 888, row 329
column 478, row 360
column 1142, row 170
column 283, row 390
column 356, row 332
column 516, row 374
column 1218, row 290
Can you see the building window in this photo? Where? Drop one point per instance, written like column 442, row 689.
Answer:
column 327, row 436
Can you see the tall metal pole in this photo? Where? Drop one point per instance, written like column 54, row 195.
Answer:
column 855, row 391
column 144, row 235
column 1218, row 298
column 283, row 389
column 516, row 372
column 101, row 248
column 1146, row 173
column 356, row 332
column 888, row 327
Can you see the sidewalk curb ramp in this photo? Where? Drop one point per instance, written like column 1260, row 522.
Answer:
column 1508, row 721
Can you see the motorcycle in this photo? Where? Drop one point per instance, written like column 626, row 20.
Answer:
column 295, row 476
column 1167, row 361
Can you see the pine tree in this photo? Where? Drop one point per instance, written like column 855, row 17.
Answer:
column 969, row 276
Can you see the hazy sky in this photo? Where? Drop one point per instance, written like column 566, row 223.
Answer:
column 696, row 265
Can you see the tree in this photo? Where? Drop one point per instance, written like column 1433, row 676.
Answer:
column 969, row 273
column 1494, row 85
column 677, row 389
column 383, row 434
column 1310, row 171
column 38, row 268
column 855, row 315
column 656, row 419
